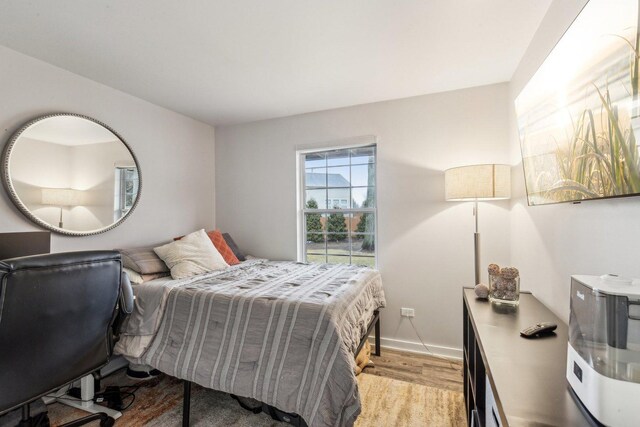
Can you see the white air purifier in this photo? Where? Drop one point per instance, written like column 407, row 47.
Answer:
column 603, row 360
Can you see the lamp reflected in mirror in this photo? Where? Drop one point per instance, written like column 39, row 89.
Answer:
column 62, row 197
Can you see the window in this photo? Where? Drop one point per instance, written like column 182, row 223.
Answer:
column 338, row 203
column 126, row 186
column 338, row 206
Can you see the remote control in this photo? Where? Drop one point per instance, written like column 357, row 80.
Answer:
column 539, row 329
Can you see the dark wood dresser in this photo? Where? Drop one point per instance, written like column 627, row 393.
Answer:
column 13, row 245
column 514, row 381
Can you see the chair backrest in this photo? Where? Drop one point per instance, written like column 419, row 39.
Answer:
column 56, row 313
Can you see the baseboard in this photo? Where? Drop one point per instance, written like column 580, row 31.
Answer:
column 417, row 347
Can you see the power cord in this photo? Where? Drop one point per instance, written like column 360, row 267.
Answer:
column 113, row 396
column 428, row 349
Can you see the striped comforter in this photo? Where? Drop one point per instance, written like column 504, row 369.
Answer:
column 280, row 332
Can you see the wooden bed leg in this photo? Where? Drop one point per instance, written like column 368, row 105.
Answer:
column 186, row 403
column 377, row 332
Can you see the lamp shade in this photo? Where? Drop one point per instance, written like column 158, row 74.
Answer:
column 478, row 182
column 61, row 197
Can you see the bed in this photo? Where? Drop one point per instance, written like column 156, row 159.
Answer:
column 284, row 333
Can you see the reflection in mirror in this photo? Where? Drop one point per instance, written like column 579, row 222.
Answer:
column 71, row 174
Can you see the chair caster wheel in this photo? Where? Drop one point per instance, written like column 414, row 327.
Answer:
column 108, row 422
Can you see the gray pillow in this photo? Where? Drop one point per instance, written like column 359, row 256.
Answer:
column 234, row 248
column 143, row 261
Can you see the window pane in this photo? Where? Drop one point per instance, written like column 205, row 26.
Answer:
column 338, row 248
column 339, row 259
column 315, row 178
column 363, row 155
column 316, row 199
column 315, row 224
column 363, row 244
column 338, row 158
column 363, row 197
column 366, row 261
column 336, row 227
column 364, row 223
column 314, row 160
column 316, row 249
column 315, row 237
column 352, row 222
column 363, row 175
column 321, row 259
column 338, row 176
column 338, row 198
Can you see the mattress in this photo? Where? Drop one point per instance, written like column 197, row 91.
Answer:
column 283, row 333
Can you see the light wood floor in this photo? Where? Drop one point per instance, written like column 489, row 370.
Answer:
column 416, row 368
column 436, row 399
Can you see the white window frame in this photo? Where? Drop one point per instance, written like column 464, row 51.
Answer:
column 122, row 190
column 301, row 151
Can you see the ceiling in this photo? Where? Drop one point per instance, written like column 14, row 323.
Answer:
column 69, row 130
column 235, row 61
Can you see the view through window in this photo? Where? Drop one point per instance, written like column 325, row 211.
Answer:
column 339, row 206
column 126, row 190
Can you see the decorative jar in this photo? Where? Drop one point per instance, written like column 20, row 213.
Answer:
column 504, row 286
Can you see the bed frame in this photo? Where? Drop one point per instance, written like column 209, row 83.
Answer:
column 374, row 324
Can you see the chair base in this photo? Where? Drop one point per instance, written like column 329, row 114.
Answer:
column 86, row 402
column 90, row 407
column 42, row 420
column 105, row 420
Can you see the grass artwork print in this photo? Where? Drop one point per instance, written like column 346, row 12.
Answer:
column 579, row 115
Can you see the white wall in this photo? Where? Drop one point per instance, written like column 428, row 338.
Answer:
column 176, row 153
column 549, row 243
column 425, row 244
column 94, row 168
column 49, row 167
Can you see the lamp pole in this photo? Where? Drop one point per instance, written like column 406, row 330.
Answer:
column 476, row 243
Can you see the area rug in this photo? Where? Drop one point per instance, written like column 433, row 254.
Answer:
column 385, row 401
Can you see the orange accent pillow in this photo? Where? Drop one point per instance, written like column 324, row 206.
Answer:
column 221, row 245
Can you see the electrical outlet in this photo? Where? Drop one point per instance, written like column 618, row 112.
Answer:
column 407, row 312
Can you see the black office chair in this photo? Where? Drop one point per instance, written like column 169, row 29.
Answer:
column 60, row 317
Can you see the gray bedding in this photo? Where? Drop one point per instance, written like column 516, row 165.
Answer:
column 280, row 332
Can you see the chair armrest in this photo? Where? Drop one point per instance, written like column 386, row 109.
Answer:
column 125, row 305
column 126, row 295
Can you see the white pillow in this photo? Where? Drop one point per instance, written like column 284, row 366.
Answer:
column 134, row 277
column 193, row 254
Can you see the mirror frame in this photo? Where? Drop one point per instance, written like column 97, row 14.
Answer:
column 13, row 195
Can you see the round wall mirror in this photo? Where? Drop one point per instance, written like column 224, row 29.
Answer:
column 71, row 174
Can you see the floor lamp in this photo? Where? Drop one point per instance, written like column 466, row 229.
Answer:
column 61, row 197
column 477, row 183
